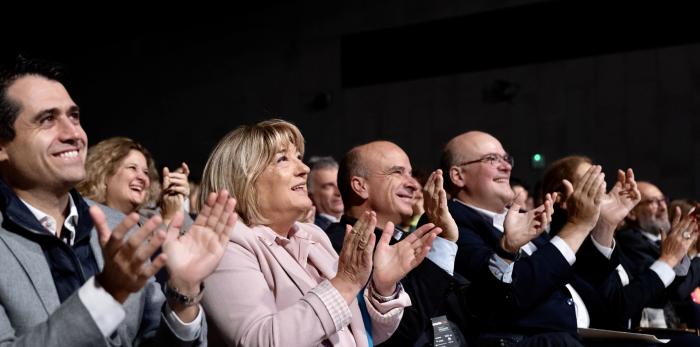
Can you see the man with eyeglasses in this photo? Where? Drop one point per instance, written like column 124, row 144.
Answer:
column 641, row 241
column 519, row 276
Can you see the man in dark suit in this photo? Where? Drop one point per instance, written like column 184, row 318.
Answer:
column 322, row 184
column 641, row 243
column 522, row 283
column 377, row 177
column 67, row 281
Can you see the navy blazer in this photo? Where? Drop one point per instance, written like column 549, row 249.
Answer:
column 537, row 300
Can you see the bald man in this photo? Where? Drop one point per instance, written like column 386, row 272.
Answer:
column 377, row 177
column 523, row 284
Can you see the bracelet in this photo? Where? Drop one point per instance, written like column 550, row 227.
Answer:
column 182, row 299
column 382, row 298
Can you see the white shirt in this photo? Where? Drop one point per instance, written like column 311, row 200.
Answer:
column 107, row 312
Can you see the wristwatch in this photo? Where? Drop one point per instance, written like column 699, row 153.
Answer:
column 182, row 299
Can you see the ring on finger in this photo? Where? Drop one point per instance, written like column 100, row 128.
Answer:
column 686, row 235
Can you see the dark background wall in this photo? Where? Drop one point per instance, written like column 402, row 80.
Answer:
column 603, row 79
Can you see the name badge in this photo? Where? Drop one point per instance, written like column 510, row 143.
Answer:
column 443, row 334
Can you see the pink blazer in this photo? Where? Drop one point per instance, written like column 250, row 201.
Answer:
column 260, row 296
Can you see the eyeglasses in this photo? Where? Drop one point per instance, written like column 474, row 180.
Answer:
column 492, row 159
column 656, row 201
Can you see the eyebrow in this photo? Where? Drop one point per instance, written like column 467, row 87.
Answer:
column 53, row 111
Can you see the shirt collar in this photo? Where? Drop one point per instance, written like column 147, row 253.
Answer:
column 49, row 223
column 329, row 217
column 497, row 219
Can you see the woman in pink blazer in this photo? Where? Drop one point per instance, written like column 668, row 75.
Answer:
column 280, row 283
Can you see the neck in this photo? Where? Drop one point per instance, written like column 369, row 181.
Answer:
column 336, row 215
column 51, row 203
column 282, row 228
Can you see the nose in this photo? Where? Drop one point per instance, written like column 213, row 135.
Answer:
column 68, row 129
column 302, row 169
column 412, row 184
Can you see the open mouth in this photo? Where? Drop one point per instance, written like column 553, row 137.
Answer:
column 300, row 188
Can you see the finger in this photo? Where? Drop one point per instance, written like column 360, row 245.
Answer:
column 166, row 177
column 175, row 190
column 175, row 226
column 137, row 238
column 676, row 217
column 217, row 209
column 153, row 267
column 588, row 185
column 230, row 227
column 421, row 241
column 224, row 220
column 185, row 169
column 178, row 179
column 206, row 209
column 369, row 230
column 422, row 230
column 387, row 233
column 584, row 180
column 599, row 191
column 146, row 250
column 98, row 218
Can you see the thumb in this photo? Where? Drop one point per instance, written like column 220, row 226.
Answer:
column 387, row 233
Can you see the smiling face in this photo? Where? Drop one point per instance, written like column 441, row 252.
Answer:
column 281, row 187
column 128, row 187
column 49, row 148
column 390, row 188
column 651, row 213
column 483, row 184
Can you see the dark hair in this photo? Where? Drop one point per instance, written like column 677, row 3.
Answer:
column 9, row 73
column 351, row 165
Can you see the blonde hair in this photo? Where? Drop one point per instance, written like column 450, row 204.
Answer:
column 239, row 159
column 103, row 160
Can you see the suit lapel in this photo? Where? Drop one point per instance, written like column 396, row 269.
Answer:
column 33, row 261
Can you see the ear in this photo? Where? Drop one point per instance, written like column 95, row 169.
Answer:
column 3, row 151
column 457, row 178
column 359, row 186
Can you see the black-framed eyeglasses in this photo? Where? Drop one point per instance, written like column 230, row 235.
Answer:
column 492, row 159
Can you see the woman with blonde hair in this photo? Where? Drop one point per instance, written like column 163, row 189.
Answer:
column 122, row 175
column 280, row 283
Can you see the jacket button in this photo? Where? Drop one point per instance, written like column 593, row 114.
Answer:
column 570, row 302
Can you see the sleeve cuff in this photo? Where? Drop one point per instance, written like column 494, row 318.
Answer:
column 564, row 249
column 443, row 253
column 665, row 272
column 501, row 268
column 104, row 310
column 606, row 251
column 184, row 331
column 335, row 304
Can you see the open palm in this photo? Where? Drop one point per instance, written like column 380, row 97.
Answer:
column 194, row 255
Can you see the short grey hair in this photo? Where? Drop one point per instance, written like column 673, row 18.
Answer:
column 319, row 163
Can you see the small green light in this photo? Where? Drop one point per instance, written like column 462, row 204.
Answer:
column 537, row 157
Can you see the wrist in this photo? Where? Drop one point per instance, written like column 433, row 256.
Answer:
column 670, row 260
column 384, row 289
column 118, row 295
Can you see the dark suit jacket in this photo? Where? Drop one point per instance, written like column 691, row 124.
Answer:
column 433, row 293
column 322, row 222
column 537, row 300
